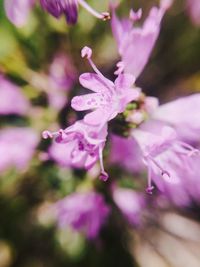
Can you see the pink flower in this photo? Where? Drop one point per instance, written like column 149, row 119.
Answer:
column 18, row 10
column 129, row 156
column 183, row 114
column 62, row 75
column 12, row 100
column 193, row 8
column 135, row 43
column 130, row 203
column 72, row 212
column 17, row 146
column 163, row 152
column 108, row 98
column 83, row 145
column 69, row 8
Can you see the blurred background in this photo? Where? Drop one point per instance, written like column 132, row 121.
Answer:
column 39, row 68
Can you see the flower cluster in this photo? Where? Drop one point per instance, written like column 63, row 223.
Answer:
column 86, row 139
column 159, row 139
column 89, row 218
column 18, row 10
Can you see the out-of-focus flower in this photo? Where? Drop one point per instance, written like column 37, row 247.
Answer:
column 18, row 10
column 83, row 145
column 164, row 150
column 136, row 43
column 12, row 100
column 183, row 185
column 130, row 203
column 85, row 212
column 17, row 146
column 125, row 153
column 70, row 9
column 155, row 147
column 183, row 114
column 108, row 98
column 193, row 8
column 62, row 75
column 60, row 154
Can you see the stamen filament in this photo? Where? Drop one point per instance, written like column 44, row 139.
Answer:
column 99, row 73
column 149, row 181
column 95, row 68
column 48, row 134
column 103, row 176
column 163, row 172
column 103, row 16
column 191, row 150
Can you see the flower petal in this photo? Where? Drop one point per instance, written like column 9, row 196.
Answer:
column 95, row 83
column 89, row 101
column 97, row 117
column 183, row 114
column 124, row 81
column 18, row 10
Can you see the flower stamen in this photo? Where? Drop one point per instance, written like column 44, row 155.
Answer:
column 103, row 175
column 103, row 16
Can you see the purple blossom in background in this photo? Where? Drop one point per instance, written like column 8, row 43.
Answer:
column 12, row 100
column 85, row 212
column 135, row 43
column 183, row 114
column 193, row 9
column 17, row 146
column 60, row 154
column 83, row 145
column 59, row 7
column 108, row 98
column 18, row 11
column 130, row 203
column 62, row 76
column 129, row 156
column 69, row 8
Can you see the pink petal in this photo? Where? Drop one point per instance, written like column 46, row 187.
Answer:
column 95, row 83
column 124, row 81
column 89, row 101
column 193, row 8
column 183, row 114
column 96, row 117
column 12, row 101
column 18, row 11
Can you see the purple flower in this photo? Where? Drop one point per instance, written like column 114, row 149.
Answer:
column 12, row 100
column 136, row 43
column 62, row 75
column 108, row 98
column 193, row 8
column 178, row 160
column 17, row 146
column 83, row 145
column 18, row 10
column 129, row 156
column 61, row 154
column 183, row 114
column 130, row 203
column 70, row 9
column 163, row 147
column 62, row 72
column 85, row 212
column 183, row 185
